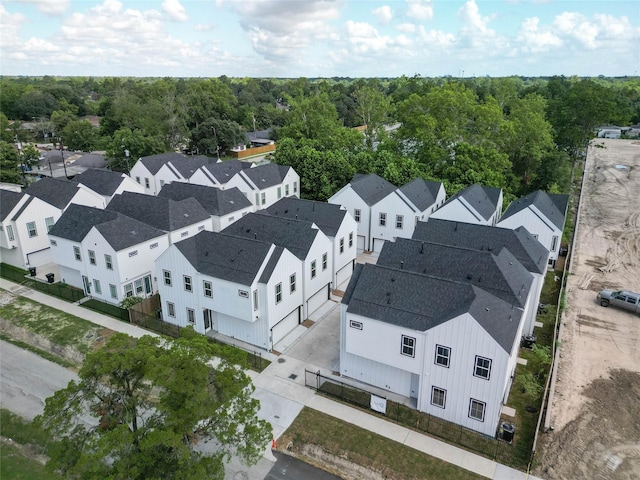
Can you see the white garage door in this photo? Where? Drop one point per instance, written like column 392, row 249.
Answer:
column 343, row 276
column 377, row 244
column 284, row 326
column 39, row 258
column 317, row 300
column 360, row 243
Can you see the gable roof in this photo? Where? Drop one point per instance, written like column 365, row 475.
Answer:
column 421, row 193
column 297, row 236
column 529, row 252
column 8, row 200
column 554, row 208
column 327, row 216
column 483, row 200
column 222, row 172
column 102, row 181
column 267, row 175
column 162, row 213
column 225, row 256
column 416, row 301
column 123, row 232
column 371, row 188
column 154, row 163
column 77, row 220
column 188, row 165
column 215, row 201
column 498, row 273
column 54, row 191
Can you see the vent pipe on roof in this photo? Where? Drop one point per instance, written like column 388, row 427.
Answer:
column 255, row 236
column 401, row 265
column 422, row 247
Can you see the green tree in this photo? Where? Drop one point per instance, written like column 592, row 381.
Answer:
column 30, row 155
column 9, row 161
column 372, row 107
column 133, row 142
column 143, row 405
column 6, row 134
column 80, row 135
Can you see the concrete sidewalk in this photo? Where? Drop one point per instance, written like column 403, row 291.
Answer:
column 282, row 392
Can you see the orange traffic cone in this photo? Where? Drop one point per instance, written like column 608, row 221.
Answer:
column 273, row 444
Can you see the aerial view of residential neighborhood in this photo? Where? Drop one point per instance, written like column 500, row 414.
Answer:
column 319, row 240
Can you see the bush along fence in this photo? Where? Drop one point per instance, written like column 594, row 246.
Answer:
column 506, row 453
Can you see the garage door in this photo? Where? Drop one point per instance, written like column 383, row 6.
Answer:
column 39, row 258
column 377, row 244
column 343, row 276
column 317, row 300
column 360, row 243
column 284, row 326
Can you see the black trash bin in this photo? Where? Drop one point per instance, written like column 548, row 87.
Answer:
column 32, row 271
column 508, row 430
column 50, row 277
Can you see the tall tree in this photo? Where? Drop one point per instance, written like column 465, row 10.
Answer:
column 9, row 160
column 150, row 408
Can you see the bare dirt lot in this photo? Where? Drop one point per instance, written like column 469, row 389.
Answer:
column 595, row 413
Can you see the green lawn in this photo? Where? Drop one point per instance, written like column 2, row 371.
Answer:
column 15, row 466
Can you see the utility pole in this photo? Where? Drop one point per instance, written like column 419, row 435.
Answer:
column 62, row 155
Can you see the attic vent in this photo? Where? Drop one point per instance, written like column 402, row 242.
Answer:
column 510, row 263
column 286, row 211
column 248, row 230
column 206, row 254
column 469, row 276
column 486, row 309
column 186, row 215
column 393, row 279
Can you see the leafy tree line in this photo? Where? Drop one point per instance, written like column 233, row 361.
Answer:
column 517, row 133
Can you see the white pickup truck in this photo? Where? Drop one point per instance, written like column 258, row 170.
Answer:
column 620, row 298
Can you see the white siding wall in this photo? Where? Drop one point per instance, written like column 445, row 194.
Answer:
column 311, row 286
column 139, row 171
column 191, row 230
column 165, row 175
column 201, row 178
column 128, row 185
column 348, row 256
column 392, row 205
column 457, row 212
column 37, row 211
column 531, row 219
column 350, row 200
column 220, row 223
column 88, row 198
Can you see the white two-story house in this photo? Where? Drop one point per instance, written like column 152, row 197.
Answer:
column 154, row 171
column 218, row 174
column 265, row 184
column 335, row 222
column 239, row 287
column 543, row 215
column 224, row 206
column 107, row 183
column 475, row 204
column 107, row 254
column 305, row 240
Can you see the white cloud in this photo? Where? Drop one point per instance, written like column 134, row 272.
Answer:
column 10, row 25
column 535, row 39
column 174, row 10
column 53, row 7
column 420, row 9
column 383, row 14
column 364, row 37
column 203, row 27
column 476, row 34
column 406, row 27
column 436, row 38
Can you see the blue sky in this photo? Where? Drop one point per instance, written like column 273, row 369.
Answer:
column 319, row 38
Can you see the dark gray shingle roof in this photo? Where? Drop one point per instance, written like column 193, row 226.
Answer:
column 422, row 193
column 327, row 216
column 371, row 188
column 214, row 200
column 102, row 181
column 268, row 175
column 224, row 171
column 484, row 200
column 54, row 191
column 188, row 165
column 297, row 236
column 553, row 208
column 154, row 163
column 159, row 212
column 8, row 200
column 498, row 273
column 421, row 302
column 225, row 256
column 519, row 242
column 123, row 232
column 78, row 220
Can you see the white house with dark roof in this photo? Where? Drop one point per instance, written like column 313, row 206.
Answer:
column 302, row 238
column 265, row 184
column 107, row 254
column 242, row 288
column 451, row 346
column 475, row 204
column 335, row 222
column 519, row 242
column 543, row 215
column 218, row 174
column 154, row 171
column 224, row 206
column 180, row 219
column 107, row 183
column 62, row 192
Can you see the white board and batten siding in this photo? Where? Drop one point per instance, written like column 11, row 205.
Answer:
column 344, row 260
column 457, row 211
column 323, row 278
column 538, row 225
column 399, row 219
column 350, row 200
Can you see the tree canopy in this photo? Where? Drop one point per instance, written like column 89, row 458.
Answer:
column 151, row 408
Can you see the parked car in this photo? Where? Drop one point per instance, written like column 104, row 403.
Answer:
column 620, row 298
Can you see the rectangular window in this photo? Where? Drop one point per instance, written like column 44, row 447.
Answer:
column 208, row 288
column 113, row 291
column 383, row 219
column 324, row 262
column 263, row 198
column 147, row 284
column 279, row 193
column 356, row 325
column 482, row 368
column 128, row 290
column 476, row 410
column 286, row 190
column 408, row 346
column 255, row 300
column 97, row 287
column 243, row 293
column 146, row 183
column 133, row 253
column 161, row 183
column 313, row 269
column 10, row 233
column 167, row 277
column 138, row 285
column 31, row 229
column 350, row 239
column 554, row 243
column 76, row 253
column 108, row 262
column 278, row 293
column 257, row 199
column 292, row 283
column 171, row 309
column 92, row 257
column 138, row 179
column 438, row 397
column 191, row 316
column 295, row 187
column 342, row 245
column 49, row 222
column 188, row 286
column 399, row 221
column 443, row 354
column 356, row 215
